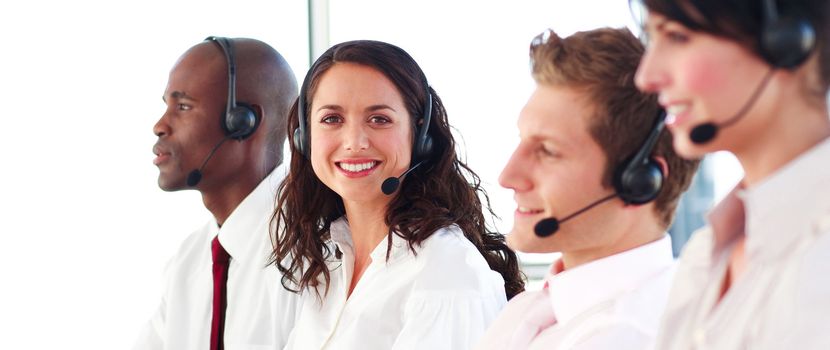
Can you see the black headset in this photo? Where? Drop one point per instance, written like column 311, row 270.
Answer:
column 639, row 179
column 420, row 149
column 240, row 120
column 786, row 41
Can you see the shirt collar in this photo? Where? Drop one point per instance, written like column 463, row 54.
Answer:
column 727, row 219
column 342, row 236
column 579, row 289
column 242, row 233
column 795, row 195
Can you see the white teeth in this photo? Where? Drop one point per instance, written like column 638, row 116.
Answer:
column 524, row 210
column 676, row 109
column 357, row 167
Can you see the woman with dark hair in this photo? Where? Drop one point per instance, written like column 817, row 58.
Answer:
column 412, row 265
column 749, row 77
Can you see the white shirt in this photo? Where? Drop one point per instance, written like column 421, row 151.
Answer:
column 610, row 303
column 442, row 298
column 260, row 312
column 782, row 299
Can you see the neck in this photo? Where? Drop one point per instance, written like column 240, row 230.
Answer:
column 368, row 226
column 796, row 129
column 640, row 232
column 223, row 198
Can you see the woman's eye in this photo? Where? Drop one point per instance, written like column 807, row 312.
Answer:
column 331, row 119
column 377, row 119
column 676, row 37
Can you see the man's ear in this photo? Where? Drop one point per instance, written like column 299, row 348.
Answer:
column 664, row 166
column 259, row 111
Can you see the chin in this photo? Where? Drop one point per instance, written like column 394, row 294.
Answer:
column 685, row 148
column 361, row 194
column 169, row 185
column 526, row 241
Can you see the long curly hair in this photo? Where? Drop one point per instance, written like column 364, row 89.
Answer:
column 441, row 192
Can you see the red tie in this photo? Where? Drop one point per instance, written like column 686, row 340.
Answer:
column 221, row 259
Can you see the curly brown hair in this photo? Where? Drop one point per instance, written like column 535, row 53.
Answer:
column 441, row 192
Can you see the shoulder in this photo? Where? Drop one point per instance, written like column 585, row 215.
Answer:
column 812, row 285
column 798, row 302
column 448, row 261
column 195, row 246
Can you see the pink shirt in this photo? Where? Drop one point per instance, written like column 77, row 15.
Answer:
column 611, row 303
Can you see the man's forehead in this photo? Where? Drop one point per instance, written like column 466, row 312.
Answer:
column 200, row 59
column 180, row 95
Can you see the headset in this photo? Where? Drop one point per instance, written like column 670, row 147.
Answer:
column 639, row 179
column 785, row 41
column 240, row 120
column 421, row 148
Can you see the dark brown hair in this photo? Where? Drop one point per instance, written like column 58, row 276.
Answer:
column 742, row 21
column 602, row 64
column 441, row 192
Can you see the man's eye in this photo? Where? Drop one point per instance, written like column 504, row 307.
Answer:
column 546, row 152
column 183, row 107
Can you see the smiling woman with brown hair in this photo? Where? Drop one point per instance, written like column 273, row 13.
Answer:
column 416, row 267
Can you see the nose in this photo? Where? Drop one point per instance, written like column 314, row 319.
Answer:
column 161, row 128
column 355, row 138
column 651, row 75
column 514, row 176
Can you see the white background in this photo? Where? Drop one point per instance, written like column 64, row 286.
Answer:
column 85, row 230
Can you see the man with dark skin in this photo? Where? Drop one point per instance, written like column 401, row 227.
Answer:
column 238, row 185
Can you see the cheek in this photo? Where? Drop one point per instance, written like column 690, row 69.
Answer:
column 321, row 148
column 571, row 187
column 398, row 144
column 704, row 76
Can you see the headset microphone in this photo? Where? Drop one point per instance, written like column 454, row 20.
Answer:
column 391, row 184
column 195, row 176
column 638, row 180
column 549, row 226
column 704, row 133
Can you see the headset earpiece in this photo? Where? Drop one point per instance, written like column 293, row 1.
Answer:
column 423, row 142
column 298, row 141
column 300, row 137
column 239, row 120
column 640, row 179
column 641, row 184
column 786, row 41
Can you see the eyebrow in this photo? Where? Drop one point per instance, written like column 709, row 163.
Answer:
column 179, row 95
column 661, row 25
column 540, row 136
column 371, row 108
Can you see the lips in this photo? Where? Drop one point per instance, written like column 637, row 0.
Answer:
column 357, row 167
column 162, row 154
column 677, row 112
column 523, row 210
column 528, row 211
